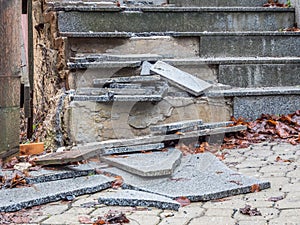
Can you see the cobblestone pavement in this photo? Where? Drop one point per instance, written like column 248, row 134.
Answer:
column 277, row 163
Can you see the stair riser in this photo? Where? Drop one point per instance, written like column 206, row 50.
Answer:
column 220, row 3
column 251, row 108
column 174, row 21
column 260, row 75
column 250, row 46
column 168, row 47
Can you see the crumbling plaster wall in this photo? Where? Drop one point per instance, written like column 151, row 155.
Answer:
column 49, row 75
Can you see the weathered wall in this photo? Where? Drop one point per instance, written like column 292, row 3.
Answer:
column 90, row 121
column 49, row 75
column 10, row 67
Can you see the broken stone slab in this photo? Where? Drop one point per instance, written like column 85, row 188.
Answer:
column 83, row 152
column 199, row 177
column 41, row 193
column 118, row 98
column 125, row 86
column 83, row 58
column 63, row 172
column 115, row 91
column 105, row 64
column 146, row 66
column 160, row 163
column 180, row 78
column 195, row 128
column 136, row 198
column 176, row 126
column 132, row 79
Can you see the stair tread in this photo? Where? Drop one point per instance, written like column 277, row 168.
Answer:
column 258, row 91
column 117, row 34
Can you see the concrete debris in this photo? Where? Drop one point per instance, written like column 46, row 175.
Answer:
column 146, row 66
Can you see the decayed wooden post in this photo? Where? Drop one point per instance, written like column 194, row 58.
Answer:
column 10, row 64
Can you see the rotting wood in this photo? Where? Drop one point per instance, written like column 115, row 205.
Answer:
column 87, row 151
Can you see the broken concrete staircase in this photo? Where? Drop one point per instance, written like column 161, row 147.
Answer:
column 225, row 43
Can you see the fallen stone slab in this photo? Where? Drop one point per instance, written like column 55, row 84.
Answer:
column 195, row 128
column 132, row 79
column 160, row 163
column 137, row 198
column 83, row 58
column 125, row 86
column 105, row 64
column 83, row 152
column 180, row 78
column 19, row 198
column 176, row 126
column 115, row 91
column 118, row 98
column 146, row 66
column 199, row 177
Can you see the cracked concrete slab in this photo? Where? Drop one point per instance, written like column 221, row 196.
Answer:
column 200, row 177
column 136, row 198
column 160, row 163
column 176, row 126
column 19, row 198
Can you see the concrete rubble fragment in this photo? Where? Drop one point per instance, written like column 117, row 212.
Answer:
column 146, row 66
column 180, row 78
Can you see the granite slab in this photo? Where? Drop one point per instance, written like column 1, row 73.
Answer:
column 146, row 66
column 153, row 164
column 136, row 198
column 181, row 79
column 200, row 177
column 41, row 193
column 132, row 79
column 176, row 126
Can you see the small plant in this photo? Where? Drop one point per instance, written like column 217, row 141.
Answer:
column 288, row 3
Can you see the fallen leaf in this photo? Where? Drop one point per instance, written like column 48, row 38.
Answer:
column 275, row 199
column 183, row 201
column 255, row 188
column 251, row 212
column 84, row 220
column 236, row 182
column 118, row 182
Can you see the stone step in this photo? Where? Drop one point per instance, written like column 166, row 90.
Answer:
column 179, row 19
column 218, row 3
column 177, row 126
column 248, row 71
column 132, row 79
column 190, row 44
column 250, row 103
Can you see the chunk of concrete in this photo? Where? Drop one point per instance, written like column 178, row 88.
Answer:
column 146, row 66
column 19, row 198
column 180, row 78
column 136, row 198
column 152, row 164
column 199, row 177
column 133, row 149
column 176, row 126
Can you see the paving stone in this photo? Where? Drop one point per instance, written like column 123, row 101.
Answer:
column 213, row 220
column 199, row 177
column 51, row 210
column 79, row 211
column 291, row 201
column 278, row 182
column 219, row 212
column 181, row 79
column 61, row 220
column 16, row 199
column 290, row 212
column 144, row 219
column 146, row 69
column 250, row 222
column 113, row 209
column 174, row 221
column 137, row 198
column 153, row 164
column 164, row 128
column 291, row 220
column 277, row 168
column 251, row 163
column 132, row 79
